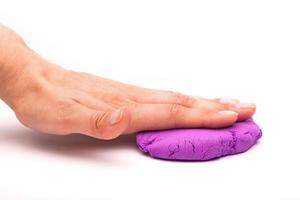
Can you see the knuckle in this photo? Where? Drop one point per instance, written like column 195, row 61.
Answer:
column 115, row 100
column 100, row 127
column 129, row 104
column 183, row 99
column 175, row 109
column 97, row 122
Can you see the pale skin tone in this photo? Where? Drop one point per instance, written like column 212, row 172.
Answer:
column 50, row 99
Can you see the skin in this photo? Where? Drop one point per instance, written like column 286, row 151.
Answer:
column 50, row 99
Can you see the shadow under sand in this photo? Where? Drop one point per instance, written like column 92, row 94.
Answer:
column 73, row 146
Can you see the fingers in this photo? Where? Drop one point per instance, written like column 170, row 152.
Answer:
column 176, row 111
column 226, row 101
column 245, row 110
column 95, row 123
column 151, row 96
column 110, row 124
column 165, row 116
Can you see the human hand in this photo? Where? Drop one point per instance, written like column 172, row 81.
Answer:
column 50, row 99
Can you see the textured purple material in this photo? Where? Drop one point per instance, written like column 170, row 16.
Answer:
column 199, row 144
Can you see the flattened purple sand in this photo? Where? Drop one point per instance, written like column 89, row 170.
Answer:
column 199, row 144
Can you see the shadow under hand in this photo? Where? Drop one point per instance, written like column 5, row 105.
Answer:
column 73, row 146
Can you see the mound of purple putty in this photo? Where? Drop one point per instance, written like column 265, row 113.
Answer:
column 199, row 144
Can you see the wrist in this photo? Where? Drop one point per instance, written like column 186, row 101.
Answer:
column 19, row 69
column 22, row 71
column 16, row 76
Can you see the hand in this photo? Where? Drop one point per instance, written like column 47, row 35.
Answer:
column 50, row 99
column 58, row 101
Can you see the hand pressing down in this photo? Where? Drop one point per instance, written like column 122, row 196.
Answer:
column 51, row 99
column 63, row 102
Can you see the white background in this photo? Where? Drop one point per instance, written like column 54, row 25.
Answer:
column 240, row 49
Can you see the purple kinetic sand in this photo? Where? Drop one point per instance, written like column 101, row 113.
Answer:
column 199, row 144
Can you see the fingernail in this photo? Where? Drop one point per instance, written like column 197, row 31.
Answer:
column 228, row 101
column 227, row 112
column 116, row 116
column 245, row 105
